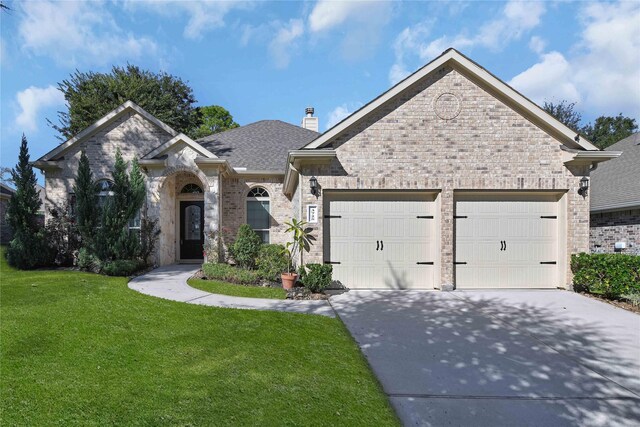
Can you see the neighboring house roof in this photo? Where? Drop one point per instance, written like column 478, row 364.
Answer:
column 259, row 146
column 616, row 184
column 480, row 76
column 6, row 191
column 104, row 121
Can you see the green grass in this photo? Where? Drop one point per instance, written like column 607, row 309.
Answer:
column 224, row 288
column 83, row 349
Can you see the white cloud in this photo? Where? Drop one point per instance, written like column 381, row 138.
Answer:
column 283, row 44
column 203, row 16
column 602, row 72
column 341, row 112
column 78, row 32
column 537, row 44
column 535, row 82
column 31, row 101
column 360, row 21
column 515, row 19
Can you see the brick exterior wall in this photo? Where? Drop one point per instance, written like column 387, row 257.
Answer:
column 610, row 227
column 234, row 206
column 133, row 134
column 487, row 145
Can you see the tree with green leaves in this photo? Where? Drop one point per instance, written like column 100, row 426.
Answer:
column 28, row 248
column 86, row 193
column 606, row 131
column 566, row 113
column 214, row 119
column 114, row 241
column 91, row 95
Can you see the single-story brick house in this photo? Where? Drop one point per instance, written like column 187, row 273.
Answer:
column 615, row 200
column 450, row 179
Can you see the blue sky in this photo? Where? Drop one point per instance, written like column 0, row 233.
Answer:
column 270, row 60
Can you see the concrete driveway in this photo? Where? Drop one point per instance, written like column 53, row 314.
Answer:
column 499, row 358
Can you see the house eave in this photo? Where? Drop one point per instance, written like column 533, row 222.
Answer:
column 614, row 207
column 589, row 157
column 298, row 158
column 46, row 165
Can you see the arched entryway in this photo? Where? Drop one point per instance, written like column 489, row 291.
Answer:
column 182, row 217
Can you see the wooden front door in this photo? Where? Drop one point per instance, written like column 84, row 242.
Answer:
column 191, row 230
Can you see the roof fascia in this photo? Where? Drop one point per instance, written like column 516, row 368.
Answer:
column 175, row 140
column 589, row 157
column 479, row 75
column 298, row 158
column 46, row 165
column 105, row 120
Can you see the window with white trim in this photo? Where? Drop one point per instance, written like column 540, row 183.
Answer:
column 258, row 216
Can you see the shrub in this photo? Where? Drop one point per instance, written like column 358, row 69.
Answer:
column 62, row 236
column 87, row 261
column 633, row 298
column 122, row 267
column 228, row 273
column 316, row 277
column 29, row 250
column 272, row 261
column 149, row 234
column 609, row 274
column 246, row 247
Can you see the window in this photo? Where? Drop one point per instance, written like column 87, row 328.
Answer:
column 258, row 212
column 191, row 188
column 105, row 190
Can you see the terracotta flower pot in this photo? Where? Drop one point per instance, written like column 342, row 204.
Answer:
column 288, row 280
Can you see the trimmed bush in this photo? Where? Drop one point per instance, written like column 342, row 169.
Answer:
column 246, row 247
column 611, row 275
column 228, row 273
column 122, row 267
column 316, row 277
column 29, row 250
column 88, row 261
column 272, row 261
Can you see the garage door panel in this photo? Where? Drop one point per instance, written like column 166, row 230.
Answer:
column 404, row 240
column 504, row 241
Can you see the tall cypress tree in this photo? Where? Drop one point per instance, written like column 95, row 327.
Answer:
column 86, row 201
column 24, row 205
column 29, row 248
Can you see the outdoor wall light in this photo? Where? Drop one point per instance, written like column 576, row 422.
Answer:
column 584, row 186
column 313, row 185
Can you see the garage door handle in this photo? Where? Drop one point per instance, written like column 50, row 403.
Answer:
column 381, row 245
column 547, row 262
column 377, row 245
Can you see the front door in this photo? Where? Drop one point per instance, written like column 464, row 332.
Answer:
column 191, row 230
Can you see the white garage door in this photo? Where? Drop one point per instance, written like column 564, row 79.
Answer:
column 382, row 240
column 506, row 243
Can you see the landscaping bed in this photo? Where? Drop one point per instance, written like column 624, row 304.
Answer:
column 82, row 349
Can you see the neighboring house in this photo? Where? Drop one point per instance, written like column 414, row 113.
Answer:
column 615, row 200
column 6, row 234
column 449, row 179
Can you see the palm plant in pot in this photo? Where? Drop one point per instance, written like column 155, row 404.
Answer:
column 300, row 242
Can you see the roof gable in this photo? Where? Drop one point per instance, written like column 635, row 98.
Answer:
column 179, row 139
column 478, row 75
column 108, row 118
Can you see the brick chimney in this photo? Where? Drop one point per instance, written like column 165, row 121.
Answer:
column 308, row 121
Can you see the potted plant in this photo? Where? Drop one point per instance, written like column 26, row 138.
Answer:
column 300, row 241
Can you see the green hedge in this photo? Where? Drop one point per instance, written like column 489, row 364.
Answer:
column 228, row 273
column 122, row 267
column 611, row 275
column 272, row 262
column 316, row 277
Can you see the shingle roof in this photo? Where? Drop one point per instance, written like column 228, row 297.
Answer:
column 616, row 183
column 259, row 146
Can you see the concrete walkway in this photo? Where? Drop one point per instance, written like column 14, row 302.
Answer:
column 499, row 358
column 170, row 282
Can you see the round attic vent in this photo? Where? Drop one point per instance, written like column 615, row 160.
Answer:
column 447, row 106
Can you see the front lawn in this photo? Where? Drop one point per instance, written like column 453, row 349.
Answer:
column 223, row 288
column 83, row 349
